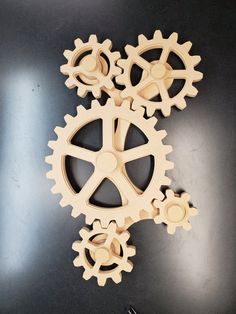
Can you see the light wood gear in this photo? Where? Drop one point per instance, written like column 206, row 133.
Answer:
column 159, row 73
column 175, row 211
column 109, row 163
column 93, row 73
column 103, row 253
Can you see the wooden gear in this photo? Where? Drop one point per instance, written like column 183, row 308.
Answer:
column 91, row 67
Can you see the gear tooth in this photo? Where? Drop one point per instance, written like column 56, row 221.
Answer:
column 170, row 194
column 152, row 121
column 126, row 104
column 168, row 149
column 97, row 225
column 192, row 91
column 140, row 111
column 142, row 39
column 96, row 91
column 87, row 274
column 65, row 69
column 78, row 43
column 68, row 118
column 107, row 83
column 105, row 222
column 76, row 246
column 50, row 174
column 55, row 189
column 49, row 159
column 116, row 55
column 117, row 277
column 195, row 60
column 173, row 37
column 80, row 109
column 131, row 250
column 171, row 228
column 136, row 216
column 156, row 203
column 130, row 50
column 117, row 71
column 166, row 180
column 58, row 130
column 122, row 63
column 193, row 211
column 162, row 134
column 166, row 110
column 128, row 266
column 125, row 235
column 89, row 220
column 187, row 45
column 185, row 196
column 120, row 222
column 68, row 54
column 78, row 262
column 150, row 111
column 110, row 102
column 158, row 220
column 107, row 44
column 125, row 92
column 75, row 212
column 101, row 280
column 169, row 165
column 82, row 91
column 93, row 39
column 52, row 144
column 120, row 79
column 187, row 226
column 197, row 76
column 181, row 104
column 84, row 233
column 112, row 226
column 63, row 202
column 158, row 35
column 95, row 104
column 70, row 83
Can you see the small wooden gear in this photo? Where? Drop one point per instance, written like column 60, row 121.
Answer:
column 91, row 67
column 159, row 73
column 95, row 70
column 109, row 163
column 104, row 258
column 175, row 211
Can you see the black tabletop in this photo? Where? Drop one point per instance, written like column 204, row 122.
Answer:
column 190, row 272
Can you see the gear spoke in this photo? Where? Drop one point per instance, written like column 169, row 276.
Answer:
column 178, row 74
column 139, row 87
column 124, row 186
column 97, row 266
column 90, row 186
column 144, row 64
column 164, row 55
column 91, row 246
column 163, row 91
column 108, row 132
column 136, row 152
column 80, row 153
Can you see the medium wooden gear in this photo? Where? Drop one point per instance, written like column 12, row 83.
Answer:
column 104, row 258
column 109, row 163
column 175, row 211
column 159, row 74
column 95, row 70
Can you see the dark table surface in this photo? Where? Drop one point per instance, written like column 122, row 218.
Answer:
column 186, row 273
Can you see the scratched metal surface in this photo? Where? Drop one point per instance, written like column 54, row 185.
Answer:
column 186, row 273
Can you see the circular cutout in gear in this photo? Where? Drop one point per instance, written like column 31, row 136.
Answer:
column 104, row 253
column 175, row 211
column 159, row 73
column 109, row 163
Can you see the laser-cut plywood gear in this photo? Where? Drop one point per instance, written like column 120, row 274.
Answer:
column 93, row 73
column 159, row 74
column 175, row 211
column 110, row 250
column 109, row 163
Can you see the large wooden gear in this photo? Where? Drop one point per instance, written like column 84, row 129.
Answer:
column 91, row 67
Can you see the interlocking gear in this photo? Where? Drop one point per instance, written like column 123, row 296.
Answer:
column 103, row 253
column 159, row 74
column 95, row 70
column 109, row 163
column 175, row 211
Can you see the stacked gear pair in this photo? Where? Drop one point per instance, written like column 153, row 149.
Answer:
column 91, row 67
